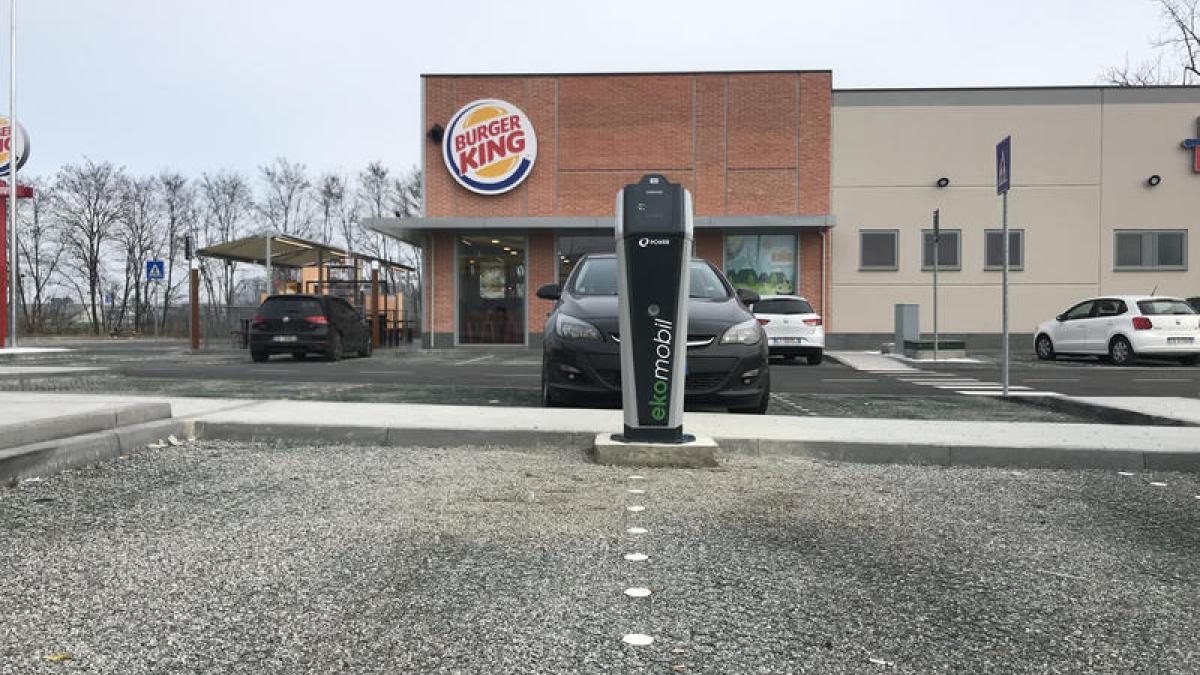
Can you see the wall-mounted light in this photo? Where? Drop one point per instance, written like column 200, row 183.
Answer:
column 1154, row 180
column 943, row 182
column 436, row 132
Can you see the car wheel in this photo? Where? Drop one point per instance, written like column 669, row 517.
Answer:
column 1044, row 347
column 759, row 408
column 549, row 398
column 299, row 356
column 1188, row 360
column 365, row 352
column 334, row 351
column 258, row 355
column 1120, row 352
column 816, row 359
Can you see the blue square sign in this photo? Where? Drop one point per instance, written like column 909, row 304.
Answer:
column 1003, row 164
column 154, row 270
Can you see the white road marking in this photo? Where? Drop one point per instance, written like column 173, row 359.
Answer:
column 980, row 387
column 636, row 557
column 477, row 359
column 387, row 372
column 636, row 530
column 1126, row 473
column 636, row 477
column 1000, row 392
column 635, row 491
column 848, row 379
column 637, row 639
column 635, row 508
column 1050, row 379
column 1156, row 483
column 637, row 592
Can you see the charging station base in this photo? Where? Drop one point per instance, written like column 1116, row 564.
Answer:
column 698, row 453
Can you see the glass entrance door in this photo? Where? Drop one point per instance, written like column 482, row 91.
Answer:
column 491, row 289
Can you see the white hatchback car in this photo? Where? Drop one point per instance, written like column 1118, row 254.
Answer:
column 792, row 327
column 1121, row 328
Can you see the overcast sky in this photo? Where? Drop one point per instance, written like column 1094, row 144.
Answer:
column 199, row 85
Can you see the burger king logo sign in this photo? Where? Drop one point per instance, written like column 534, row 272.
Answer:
column 489, row 146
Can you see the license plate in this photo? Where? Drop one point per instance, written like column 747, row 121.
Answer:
column 285, row 338
column 786, row 340
column 1181, row 340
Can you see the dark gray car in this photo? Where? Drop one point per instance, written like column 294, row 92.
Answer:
column 727, row 351
column 304, row 324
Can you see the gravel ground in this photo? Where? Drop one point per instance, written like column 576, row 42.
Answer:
column 240, row 558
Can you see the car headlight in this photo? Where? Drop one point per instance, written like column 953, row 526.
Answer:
column 745, row 333
column 573, row 329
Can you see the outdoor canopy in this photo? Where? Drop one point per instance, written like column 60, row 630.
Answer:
column 286, row 251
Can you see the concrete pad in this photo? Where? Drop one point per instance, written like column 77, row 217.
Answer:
column 698, row 453
column 45, row 421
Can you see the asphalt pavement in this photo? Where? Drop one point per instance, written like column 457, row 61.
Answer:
column 235, row 558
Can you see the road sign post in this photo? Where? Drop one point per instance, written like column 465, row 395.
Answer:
column 1003, row 179
column 936, row 245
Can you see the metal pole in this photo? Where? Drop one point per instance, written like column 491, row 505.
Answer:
column 936, row 245
column 12, row 171
column 375, row 327
column 1004, row 302
column 270, row 278
column 194, row 297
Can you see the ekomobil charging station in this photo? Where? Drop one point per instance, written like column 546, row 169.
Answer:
column 654, row 242
column 654, row 246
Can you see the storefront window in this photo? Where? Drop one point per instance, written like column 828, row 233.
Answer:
column 571, row 247
column 491, row 289
column 764, row 263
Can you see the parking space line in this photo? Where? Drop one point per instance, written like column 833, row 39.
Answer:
column 477, row 359
column 848, row 379
column 1050, row 379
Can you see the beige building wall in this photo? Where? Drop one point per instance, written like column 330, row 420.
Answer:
column 1081, row 157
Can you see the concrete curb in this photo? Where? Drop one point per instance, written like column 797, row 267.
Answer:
column 48, row 457
column 1099, row 413
column 67, row 426
column 933, row 454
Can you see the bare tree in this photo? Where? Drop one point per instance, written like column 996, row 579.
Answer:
column 88, row 201
column 40, row 251
column 286, row 206
column 141, row 235
column 1180, row 44
column 330, row 198
column 179, row 220
column 226, row 202
column 374, row 197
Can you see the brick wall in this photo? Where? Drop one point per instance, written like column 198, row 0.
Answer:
column 743, row 143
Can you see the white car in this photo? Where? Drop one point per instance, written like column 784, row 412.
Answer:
column 792, row 327
column 1121, row 328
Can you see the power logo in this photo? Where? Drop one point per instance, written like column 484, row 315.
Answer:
column 489, row 146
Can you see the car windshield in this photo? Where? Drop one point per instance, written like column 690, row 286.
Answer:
column 598, row 276
column 275, row 308
column 1161, row 307
column 782, row 306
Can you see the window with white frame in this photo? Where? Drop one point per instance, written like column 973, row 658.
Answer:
column 877, row 250
column 949, row 250
column 1150, row 250
column 993, row 249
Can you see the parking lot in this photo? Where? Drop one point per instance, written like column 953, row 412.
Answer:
column 236, row 558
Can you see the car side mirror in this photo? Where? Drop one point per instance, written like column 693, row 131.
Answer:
column 747, row 296
column 549, row 292
column 1061, row 317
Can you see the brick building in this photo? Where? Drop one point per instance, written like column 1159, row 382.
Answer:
column 753, row 148
column 799, row 188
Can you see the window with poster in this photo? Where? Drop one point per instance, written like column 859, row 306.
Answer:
column 764, row 263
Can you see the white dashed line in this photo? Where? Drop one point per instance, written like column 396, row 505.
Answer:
column 637, row 639
column 1126, row 473
column 635, row 491
column 848, row 379
column 1156, row 483
column 636, row 557
column 635, row 508
column 1162, row 379
column 636, row 477
column 637, row 592
column 636, row 530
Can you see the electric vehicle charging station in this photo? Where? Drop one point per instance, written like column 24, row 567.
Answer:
column 654, row 245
